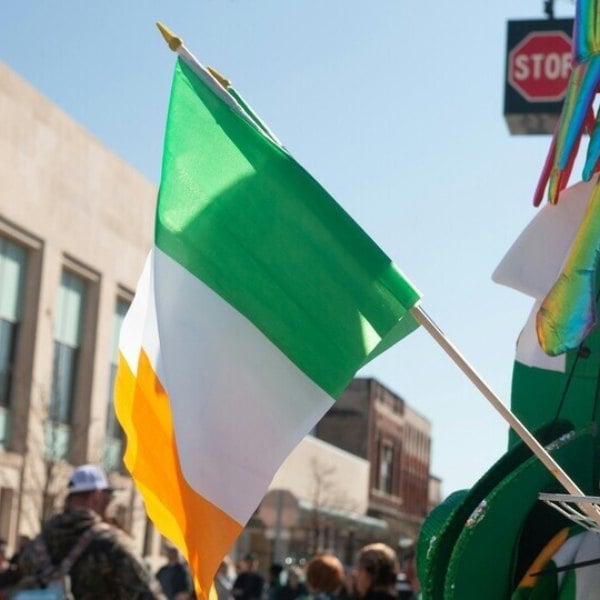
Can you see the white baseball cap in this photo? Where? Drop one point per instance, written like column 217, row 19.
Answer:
column 88, row 478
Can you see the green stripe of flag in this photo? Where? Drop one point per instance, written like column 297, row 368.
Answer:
column 242, row 215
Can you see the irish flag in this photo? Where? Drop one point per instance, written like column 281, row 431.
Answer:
column 567, row 568
column 259, row 301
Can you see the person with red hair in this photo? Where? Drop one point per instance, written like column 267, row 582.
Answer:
column 324, row 575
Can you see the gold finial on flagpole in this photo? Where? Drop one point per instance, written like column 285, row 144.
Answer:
column 174, row 41
column 222, row 80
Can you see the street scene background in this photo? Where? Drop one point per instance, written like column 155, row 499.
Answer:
column 395, row 107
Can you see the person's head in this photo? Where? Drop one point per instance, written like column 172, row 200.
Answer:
column 294, row 577
column 324, row 573
column 172, row 554
column 376, row 569
column 89, row 489
column 275, row 571
column 250, row 562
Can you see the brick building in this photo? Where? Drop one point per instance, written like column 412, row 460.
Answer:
column 372, row 422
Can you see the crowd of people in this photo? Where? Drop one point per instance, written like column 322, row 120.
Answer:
column 89, row 559
column 375, row 576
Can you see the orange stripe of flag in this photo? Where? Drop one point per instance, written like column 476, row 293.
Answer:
column 200, row 529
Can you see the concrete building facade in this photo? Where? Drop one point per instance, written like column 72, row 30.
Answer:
column 75, row 226
column 317, row 502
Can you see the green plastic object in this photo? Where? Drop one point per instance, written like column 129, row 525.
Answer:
column 444, row 525
column 484, row 559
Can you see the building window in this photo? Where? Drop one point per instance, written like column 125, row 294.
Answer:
column 113, row 448
column 13, row 259
column 386, row 467
column 67, row 344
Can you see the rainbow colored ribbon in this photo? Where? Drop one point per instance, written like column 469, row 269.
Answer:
column 568, row 313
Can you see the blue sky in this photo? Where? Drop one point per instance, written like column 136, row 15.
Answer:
column 395, row 107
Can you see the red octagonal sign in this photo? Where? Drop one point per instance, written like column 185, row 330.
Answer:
column 539, row 66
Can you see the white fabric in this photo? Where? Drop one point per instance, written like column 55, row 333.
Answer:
column 239, row 404
column 132, row 329
column 534, row 261
column 580, row 548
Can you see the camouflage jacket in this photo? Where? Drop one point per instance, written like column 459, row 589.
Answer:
column 107, row 568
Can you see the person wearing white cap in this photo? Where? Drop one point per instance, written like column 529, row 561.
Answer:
column 107, row 567
column 88, row 488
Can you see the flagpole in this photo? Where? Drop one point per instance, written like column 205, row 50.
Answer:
column 555, row 469
column 216, row 81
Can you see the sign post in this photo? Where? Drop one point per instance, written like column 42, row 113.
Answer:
column 538, row 65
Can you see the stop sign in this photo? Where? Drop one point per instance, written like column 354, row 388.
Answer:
column 539, row 66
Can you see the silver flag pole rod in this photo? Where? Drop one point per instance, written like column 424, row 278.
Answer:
column 555, row 469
